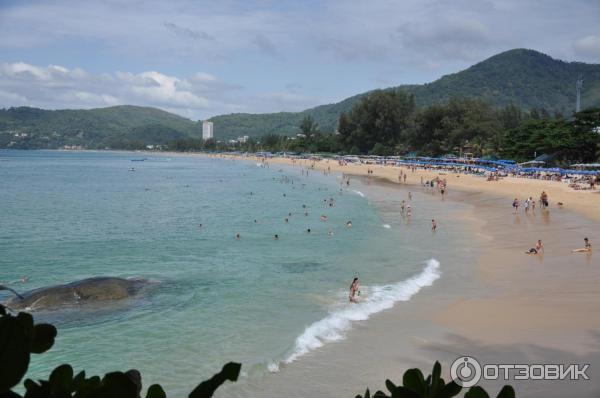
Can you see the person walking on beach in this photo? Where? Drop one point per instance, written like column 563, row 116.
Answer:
column 544, row 199
column 539, row 247
column 433, row 225
column 515, row 205
column 587, row 248
column 532, row 204
column 354, row 291
column 409, row 195
column 404, row 178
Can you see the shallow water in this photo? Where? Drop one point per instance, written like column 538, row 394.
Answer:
column 263, row 302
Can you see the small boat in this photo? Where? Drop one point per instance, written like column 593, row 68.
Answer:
column 131, row 169
column 138, row 160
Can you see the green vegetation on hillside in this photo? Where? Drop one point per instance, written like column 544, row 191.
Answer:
column 122, row 127
column 515, row 82
column 388, row 123
column 526, row 78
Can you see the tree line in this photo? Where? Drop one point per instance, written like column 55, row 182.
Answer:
column 388, row 123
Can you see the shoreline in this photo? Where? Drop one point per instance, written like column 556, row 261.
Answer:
column 584, row 202
column 517, row 309
column 512, row 307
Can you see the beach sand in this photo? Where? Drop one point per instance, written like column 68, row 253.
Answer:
column 511, row 308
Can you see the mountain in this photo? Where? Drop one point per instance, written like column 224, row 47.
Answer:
column 526, row 78
column 123, row 126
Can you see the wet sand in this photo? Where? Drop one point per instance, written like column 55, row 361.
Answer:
column 506, row 307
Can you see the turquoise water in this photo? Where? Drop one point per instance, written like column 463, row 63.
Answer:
column 67, row 216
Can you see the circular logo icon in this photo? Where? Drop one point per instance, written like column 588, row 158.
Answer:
column 465, row 371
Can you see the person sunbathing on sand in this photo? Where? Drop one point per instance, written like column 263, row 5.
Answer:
column 586, row 249
column 539, row 247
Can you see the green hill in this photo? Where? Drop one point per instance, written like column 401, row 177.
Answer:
column 115, row 127
column 526, row 78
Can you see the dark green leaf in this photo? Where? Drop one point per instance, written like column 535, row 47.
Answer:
column 207, row 388
column 413, row 380
column 118, row 385
column 156, row 391
column 60, row 380
column 390, row 386
column 451, row 389
column 15, row 337
column 506, row 392
column 403, row 392
column 78, row 380
column 476, row 392
column 43, row 338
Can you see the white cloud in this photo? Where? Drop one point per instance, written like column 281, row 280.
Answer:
column 588, row 47
column 55, row 86
column 198, row 96
column 332, row 48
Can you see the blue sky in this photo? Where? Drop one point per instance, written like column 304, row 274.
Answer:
column 204, row 58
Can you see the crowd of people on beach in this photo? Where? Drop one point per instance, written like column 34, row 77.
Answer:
column 435, row 185
column 529, row 207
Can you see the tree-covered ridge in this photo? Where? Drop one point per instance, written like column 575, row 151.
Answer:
column 123, row 126
column 525, row 78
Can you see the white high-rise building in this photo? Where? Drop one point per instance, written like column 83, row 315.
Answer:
column 207, row 130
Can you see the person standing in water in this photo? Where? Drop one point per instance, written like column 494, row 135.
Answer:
column 433, row 225
column 354, row 290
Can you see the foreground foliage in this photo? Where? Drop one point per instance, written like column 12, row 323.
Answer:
column 415, row 385
column 20, row 337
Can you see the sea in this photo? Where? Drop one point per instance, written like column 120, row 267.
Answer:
column 211, row 298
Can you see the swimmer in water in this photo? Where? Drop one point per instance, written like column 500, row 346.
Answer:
column 237, row 236
column 330, row 232
column 539, row 248
column 275, row 237
column 308, row 231
column 349, row 224
column 587, row 248
column 354, row 290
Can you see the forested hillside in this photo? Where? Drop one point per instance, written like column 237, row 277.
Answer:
column 526, row 78
column 114, row 127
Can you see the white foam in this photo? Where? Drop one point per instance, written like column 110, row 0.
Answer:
column 362, row 195
column 386, row 226
column 273, row 367
column 377, row 298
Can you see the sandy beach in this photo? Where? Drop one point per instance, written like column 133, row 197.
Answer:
column 506, row 307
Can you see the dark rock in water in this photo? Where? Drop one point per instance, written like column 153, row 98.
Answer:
column 83, row 292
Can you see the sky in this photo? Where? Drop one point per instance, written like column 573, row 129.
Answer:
column 204, row 58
